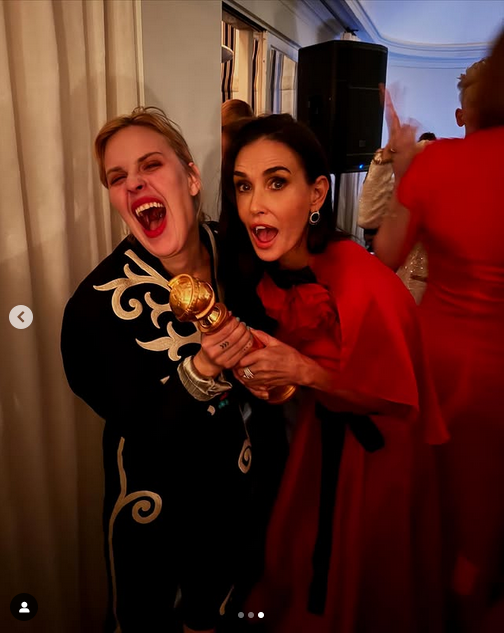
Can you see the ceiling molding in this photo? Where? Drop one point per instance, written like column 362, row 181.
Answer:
column 312, row 12
column 411, row 61
column 342, row 12
column 402, row 53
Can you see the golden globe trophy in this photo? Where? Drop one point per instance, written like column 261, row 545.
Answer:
column 194, row 300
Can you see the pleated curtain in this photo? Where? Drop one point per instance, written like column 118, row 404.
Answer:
column 65, row 68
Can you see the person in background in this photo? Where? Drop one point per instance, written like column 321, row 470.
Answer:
column 466, row 115
column 233, row 113
column 427, row 136
column 176, row 448
column 234, row 109
column 379, row 184
column 453, row 196
column 352, row 543
column 373, row 204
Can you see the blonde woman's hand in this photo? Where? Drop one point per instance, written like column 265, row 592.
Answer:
column 223, row 349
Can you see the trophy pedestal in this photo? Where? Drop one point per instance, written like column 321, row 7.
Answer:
column 279, row 395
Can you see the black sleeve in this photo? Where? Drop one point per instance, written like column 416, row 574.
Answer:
column 102, row 371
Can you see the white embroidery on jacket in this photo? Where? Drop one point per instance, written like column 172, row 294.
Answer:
column 174, row 341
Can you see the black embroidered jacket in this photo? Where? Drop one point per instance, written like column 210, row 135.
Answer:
column 177, row 487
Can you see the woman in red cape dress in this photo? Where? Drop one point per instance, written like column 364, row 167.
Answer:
column 352, row 544
column 453, row 196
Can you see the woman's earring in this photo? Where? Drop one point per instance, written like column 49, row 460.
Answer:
column 314, row 217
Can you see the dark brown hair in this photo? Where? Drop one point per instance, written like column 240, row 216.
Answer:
column 427, row 136
column 234, row 109
column 239, row 265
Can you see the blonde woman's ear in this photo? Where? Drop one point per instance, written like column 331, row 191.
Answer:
column 194, row 179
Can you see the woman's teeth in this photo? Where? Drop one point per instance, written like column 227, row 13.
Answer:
column 265, row 233
column 150, row 215
column 148, row 205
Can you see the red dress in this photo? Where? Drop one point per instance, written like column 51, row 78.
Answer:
column 359, row 322
column 455, row 193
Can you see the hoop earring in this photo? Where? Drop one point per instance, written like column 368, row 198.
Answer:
column 314, row 217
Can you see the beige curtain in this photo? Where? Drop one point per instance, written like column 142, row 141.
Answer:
column 282, row 82
column 65, row 67
column 348, row 204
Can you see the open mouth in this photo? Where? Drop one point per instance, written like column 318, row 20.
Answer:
column 151, row 215
column 264, row 235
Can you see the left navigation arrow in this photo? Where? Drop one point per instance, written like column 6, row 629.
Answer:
column 21, row 317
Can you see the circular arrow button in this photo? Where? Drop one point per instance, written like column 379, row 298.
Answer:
column 21, row 317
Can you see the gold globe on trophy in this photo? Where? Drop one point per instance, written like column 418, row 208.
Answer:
column 194, row 300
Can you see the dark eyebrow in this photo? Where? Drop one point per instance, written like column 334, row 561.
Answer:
column 272, row 170
column 266, row 172
column 140, row 160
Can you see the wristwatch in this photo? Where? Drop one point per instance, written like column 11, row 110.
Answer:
column 378, row 158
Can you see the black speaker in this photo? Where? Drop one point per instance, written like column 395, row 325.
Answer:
column 338, row 98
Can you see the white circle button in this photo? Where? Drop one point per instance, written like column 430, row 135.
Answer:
column 21, row 317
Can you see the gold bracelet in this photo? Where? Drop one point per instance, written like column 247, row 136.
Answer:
column 378, row 160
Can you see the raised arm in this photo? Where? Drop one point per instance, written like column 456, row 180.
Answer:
column 390, row 243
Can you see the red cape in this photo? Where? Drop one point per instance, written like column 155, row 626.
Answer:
column 384, row 573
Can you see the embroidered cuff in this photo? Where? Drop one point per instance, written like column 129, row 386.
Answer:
column 200, row 387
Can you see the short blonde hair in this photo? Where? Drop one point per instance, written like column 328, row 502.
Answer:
column 470, row 78
column 155, row 119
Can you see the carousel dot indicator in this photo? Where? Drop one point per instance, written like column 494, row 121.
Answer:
column 260, row 614
column 241, row 614
column 251, row 614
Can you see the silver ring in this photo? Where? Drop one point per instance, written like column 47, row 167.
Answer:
column 248, row 374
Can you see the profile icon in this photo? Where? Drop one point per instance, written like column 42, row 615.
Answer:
column 24, row 606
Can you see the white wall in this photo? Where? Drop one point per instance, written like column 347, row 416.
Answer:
column 182, row 66
column 428, row 95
